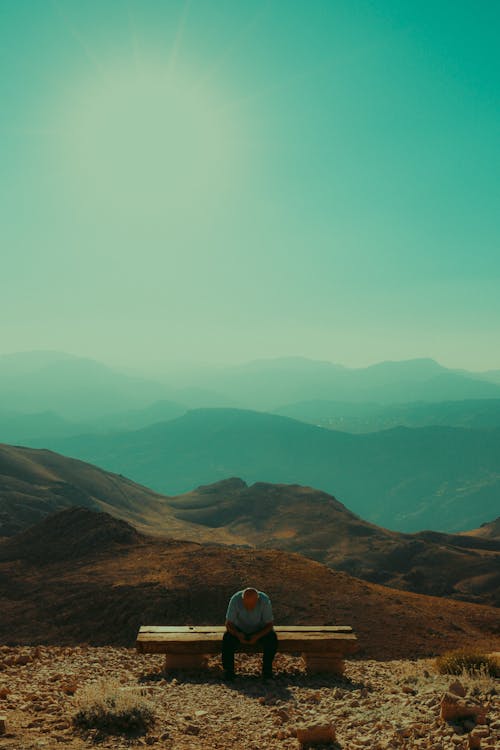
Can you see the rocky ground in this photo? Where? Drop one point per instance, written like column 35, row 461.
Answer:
column 393, row 704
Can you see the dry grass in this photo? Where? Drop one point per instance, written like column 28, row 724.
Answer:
column 465, row 661
column 111, row 709
column 479, row 681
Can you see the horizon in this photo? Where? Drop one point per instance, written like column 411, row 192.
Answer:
column 186, row 364
column 214, row 182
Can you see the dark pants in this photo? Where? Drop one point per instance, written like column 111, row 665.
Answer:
column 230, row 644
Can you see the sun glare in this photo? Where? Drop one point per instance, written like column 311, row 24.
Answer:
column 144, row 140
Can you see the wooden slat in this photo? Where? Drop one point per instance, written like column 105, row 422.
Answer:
column 316, row 642
column 221, row 629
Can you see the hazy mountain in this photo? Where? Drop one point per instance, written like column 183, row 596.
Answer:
column 370, row 417
column 80, row 389
column 16, row 427
column 35, row 428
column 493, row 376
column 266, row 384
column 443, row 478
column 74, row 387
column 91, row 579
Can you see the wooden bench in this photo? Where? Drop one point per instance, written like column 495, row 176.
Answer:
column 188, row 646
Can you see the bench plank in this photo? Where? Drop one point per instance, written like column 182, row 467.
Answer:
column 210, row 642
column 221, row 628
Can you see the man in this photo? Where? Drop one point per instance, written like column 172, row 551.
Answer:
column 249, row 619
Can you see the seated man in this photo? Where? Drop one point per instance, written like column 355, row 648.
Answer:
column 249, row 619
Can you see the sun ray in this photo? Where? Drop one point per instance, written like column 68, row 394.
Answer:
column 174, row 52
column 281, row 85
column 89, row 53
column 228, row 51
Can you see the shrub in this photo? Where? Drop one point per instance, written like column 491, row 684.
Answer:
column 465, row 660
column 107, row 707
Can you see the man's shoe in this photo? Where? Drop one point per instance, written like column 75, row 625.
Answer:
column 229, row 676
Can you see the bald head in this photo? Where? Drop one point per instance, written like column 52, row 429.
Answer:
column 250, row 598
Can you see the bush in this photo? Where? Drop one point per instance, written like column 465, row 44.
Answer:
column 464, row 660
column 106, row 706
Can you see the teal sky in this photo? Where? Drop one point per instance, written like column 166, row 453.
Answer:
column 219, row 181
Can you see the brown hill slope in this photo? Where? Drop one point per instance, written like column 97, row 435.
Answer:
column 313, row 523
column 34, row 483
column 487, row 530
column 106, row 579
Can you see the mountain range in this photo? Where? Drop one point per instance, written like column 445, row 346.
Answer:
column 440, row 478
column 79, row 388
column 293, row 518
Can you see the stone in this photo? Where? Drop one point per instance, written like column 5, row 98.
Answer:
column 453, row 707
column 457, row 688
column 318, row 732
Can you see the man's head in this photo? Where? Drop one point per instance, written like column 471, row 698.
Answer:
column 250, row 598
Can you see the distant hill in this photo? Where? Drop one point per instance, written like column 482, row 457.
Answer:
column 90, row 579
column 82, row 389
column 372, row 417
column 443, row 478
column 33, row 484
column 267, row 384
column 75, row 387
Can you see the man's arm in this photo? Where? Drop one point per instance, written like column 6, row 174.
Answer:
column 261, row 633
column 231, row 628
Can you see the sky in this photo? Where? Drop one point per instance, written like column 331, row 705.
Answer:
column 218, row 181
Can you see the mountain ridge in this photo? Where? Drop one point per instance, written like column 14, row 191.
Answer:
column 262, row 515
column 447, row 478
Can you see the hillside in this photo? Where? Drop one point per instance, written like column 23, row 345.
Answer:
column 487, row 530
column 313, row 523
column 443, row 478
column 294, row 518
column 116, row 579
column 35, row 483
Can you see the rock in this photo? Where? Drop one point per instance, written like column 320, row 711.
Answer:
column 315, row 733
column 457, row 688
column 453, row 707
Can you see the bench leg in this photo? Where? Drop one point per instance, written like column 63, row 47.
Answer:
column 185, row 661
column 324, row 663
